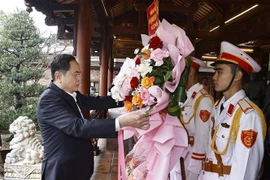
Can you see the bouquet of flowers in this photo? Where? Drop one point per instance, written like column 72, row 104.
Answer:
column 154, row 81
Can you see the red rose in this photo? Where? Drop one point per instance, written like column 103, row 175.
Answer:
column 134, row 82
column 138, row 61
column 128, row 98
column 155, row 42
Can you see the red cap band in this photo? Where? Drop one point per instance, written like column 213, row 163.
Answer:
column 195, row 65
column 236, row 60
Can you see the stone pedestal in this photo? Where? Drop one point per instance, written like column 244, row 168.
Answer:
column 21, row 172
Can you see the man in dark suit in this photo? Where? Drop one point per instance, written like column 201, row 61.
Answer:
column 68, row 152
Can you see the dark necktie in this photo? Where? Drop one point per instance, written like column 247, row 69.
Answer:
column 221, row 108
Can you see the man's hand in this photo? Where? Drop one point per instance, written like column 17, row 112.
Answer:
column 135, row 119
column 0, row 147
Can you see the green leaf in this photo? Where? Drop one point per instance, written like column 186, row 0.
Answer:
column 173, row 108
column 168, row 75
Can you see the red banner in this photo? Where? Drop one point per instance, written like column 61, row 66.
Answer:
column 152, row 17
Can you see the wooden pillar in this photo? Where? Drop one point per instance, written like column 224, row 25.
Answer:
column 104, row 65
column 83, row 43
column 110, row 63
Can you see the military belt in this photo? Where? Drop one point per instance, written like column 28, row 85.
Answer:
column 219, row 168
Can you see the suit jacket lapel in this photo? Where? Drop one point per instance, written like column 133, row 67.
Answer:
column 80, row 105
column 74, row 106
column 69, row 99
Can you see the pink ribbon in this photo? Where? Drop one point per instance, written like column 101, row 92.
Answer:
column 160, row 146
column 121, row 158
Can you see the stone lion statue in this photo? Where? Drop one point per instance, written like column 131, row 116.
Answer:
column 25, row 147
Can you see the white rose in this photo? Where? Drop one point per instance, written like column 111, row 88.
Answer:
column 145, row 68
column 116, row 94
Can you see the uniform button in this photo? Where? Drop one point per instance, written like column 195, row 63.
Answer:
column 223, row 136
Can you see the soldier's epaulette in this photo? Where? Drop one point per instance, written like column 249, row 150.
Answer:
column 245, row 106
column 204, row 92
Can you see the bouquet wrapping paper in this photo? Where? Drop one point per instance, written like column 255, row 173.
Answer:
column 154, row 82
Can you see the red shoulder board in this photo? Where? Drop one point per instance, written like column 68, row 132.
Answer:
column 248, row 138
column 193, row 95
column 204, row 115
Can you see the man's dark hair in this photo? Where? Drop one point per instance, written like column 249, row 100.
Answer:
column 204, row 77
column 61, row 63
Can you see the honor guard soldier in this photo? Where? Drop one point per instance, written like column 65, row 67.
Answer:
column 236, row 144
column 196, row 120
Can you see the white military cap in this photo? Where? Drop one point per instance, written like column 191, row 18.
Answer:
column 197, row 63
column 207, row 69
column 231, row 53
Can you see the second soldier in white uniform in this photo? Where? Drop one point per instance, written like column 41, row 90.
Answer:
column 195, row 118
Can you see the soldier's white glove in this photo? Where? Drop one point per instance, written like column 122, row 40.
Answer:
column 192, row 176
column 180, row 104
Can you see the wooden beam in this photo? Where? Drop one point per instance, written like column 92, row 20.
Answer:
column 62, row 7
column 164, row 7
column 249, row 15
column 252, row 28
column 143, row 30
column 62, row 34
column 99, row 29
column 40, row 6
column 65, row 36
column 55, row 21
column 266, row 2
column 100, row 13
column 110, row 4
column 127, row 30
column 47, row 7
column 95, row 39
column 203, row 34
column 95, row 46
column 257, row 27
column 206, row 46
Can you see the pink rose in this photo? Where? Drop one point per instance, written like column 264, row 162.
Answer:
column 125, row 88
column 158, row 55
column 147, row 98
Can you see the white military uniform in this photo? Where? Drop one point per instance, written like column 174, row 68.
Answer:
column 198, row 127
column 235, row 150
column 245, row 153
